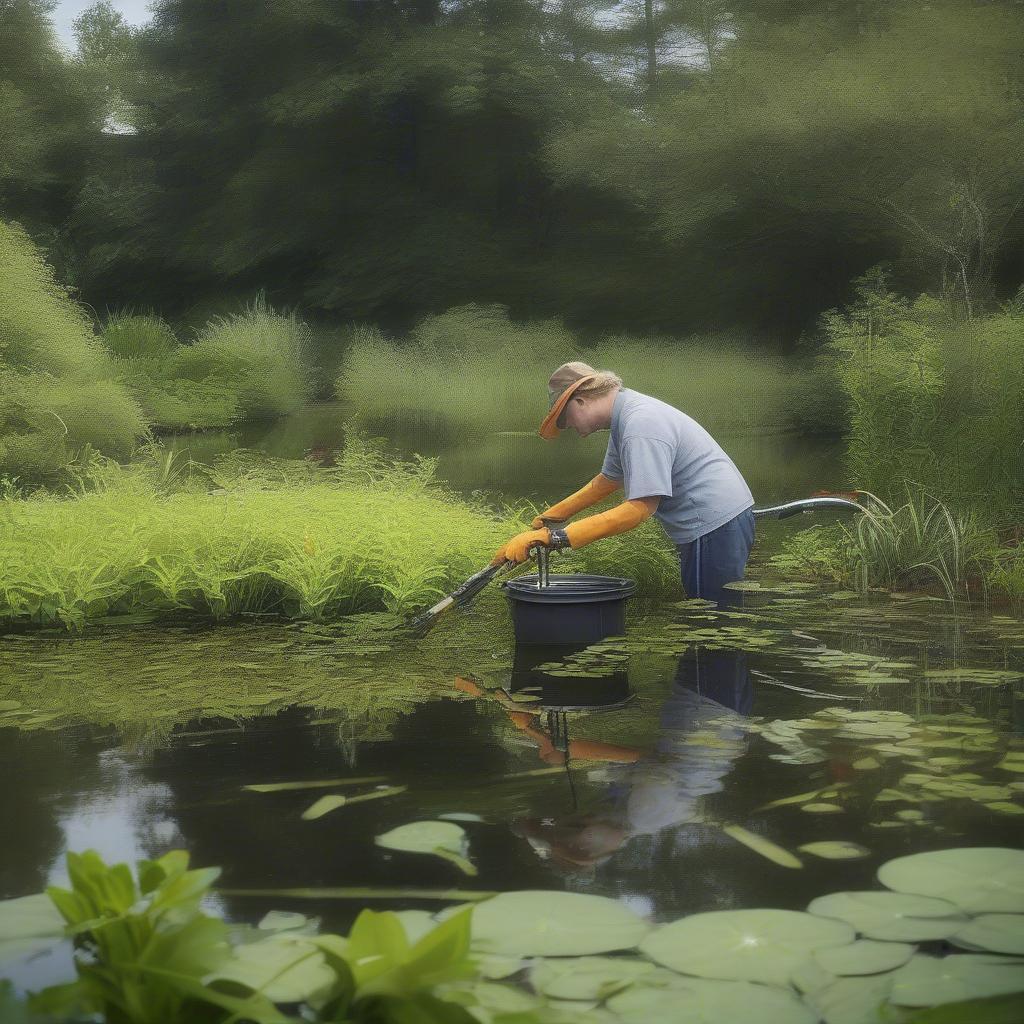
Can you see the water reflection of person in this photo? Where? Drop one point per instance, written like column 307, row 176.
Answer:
column 701, row 735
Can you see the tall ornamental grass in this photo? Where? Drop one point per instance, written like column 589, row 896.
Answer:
column 58, row 388
column 472, row 369
column 262, row 535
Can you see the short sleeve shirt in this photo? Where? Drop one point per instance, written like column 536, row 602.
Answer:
column 656, row 450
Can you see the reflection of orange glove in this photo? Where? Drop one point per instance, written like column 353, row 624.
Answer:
column 607, row 524
column 589, row 494
column 518, row 548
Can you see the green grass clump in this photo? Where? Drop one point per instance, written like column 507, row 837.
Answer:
column 472, row 369
column 260, row 356
column 58, row 387
column 253, row 534
column 918, row 543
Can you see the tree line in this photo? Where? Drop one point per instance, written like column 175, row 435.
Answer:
column 657, row 166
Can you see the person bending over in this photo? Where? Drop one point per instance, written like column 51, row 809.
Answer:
column 668, row 465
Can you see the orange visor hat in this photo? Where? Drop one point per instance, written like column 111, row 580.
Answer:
column 551, row 427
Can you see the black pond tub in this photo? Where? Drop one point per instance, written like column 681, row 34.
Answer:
column 572, row 608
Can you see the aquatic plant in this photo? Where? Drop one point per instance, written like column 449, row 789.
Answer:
column 254, row 534
column 920, row 542
column 449, row 374
column 145, row 952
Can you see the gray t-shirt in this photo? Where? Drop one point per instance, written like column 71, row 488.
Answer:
column 657, row 450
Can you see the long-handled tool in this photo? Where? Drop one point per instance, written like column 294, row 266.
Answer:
column 824, row 500
column 468, row 590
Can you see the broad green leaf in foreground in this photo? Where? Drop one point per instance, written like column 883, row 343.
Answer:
column 930, row 981
column 865, row 956
column 538, row 923
column 980, row 880
column 891, row 916
column 744, row 945
column 586, row 977
column 701, row 1001
column 997, row 933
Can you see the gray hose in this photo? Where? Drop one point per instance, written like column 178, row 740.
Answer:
column 795, row 508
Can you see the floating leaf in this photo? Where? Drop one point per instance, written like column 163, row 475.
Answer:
column 280, row 787
column 931, row 981
column 977, row 879
column 282, row 920
column 997, row 933
column 864, row 957
column 365, row 892
column 891, row 915
column 538, row 923
column 765, row 847
column 836, row 849
column 821, row 808
column 744, row 945
column 701, row 1001
column 442, row 839
column 284, row 967
column 852, row 1000
column 586, row 977
column 323, row 806
column 1004, row 807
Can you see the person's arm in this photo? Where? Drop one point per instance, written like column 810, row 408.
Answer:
column 589, row 494
column 623, row 517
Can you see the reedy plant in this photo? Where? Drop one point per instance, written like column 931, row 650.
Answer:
column 921, row 539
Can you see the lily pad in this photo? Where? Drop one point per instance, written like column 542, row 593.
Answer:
column 286, row 968
column 980, row 880
column 997, row 933
column 29, row 924
column 538, row 923
column 441, row 838
column 865, row 957
column 930, row 981
column 890, row 915
column 744, row 945
column 836, row 849
column 852, row 1000
column 586, row 977
column 701, row 1001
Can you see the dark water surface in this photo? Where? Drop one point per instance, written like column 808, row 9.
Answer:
column 141, row 740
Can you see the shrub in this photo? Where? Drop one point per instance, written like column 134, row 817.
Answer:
column 260, row 355
column 933, row 400
column 58, row 390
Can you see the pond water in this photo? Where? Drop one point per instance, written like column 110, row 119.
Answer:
column 887, row 718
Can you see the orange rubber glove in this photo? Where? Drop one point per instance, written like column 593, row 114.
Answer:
column 589, row 494
column 518, row 548
column 607, row 524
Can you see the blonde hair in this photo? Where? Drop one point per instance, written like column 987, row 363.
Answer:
column 568, row 373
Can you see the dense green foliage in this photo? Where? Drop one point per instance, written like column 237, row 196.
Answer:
column 260, row 535
column 933, row 400
column 248, row 366
column 58, row 390
column 472, row 369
